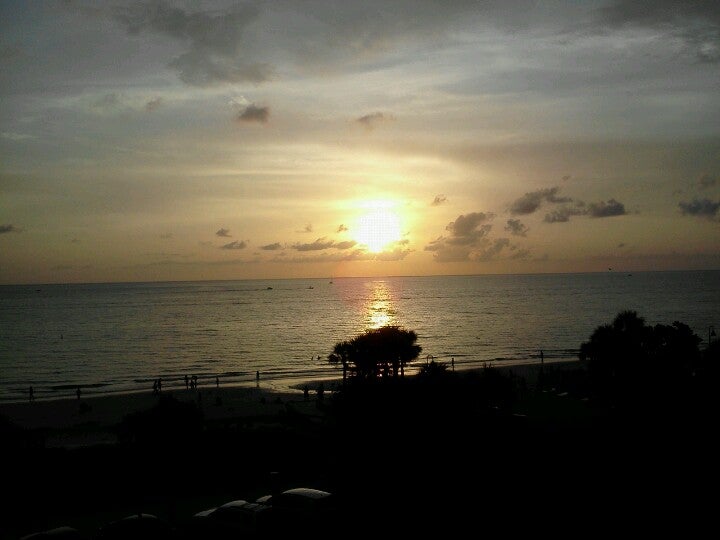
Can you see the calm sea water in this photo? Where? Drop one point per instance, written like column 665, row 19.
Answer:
column 119, row 337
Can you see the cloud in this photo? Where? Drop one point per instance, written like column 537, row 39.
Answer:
column 235, row 245
column 214, row 41
column 528, row 203
column 341, row 228
column 345, row 245
column 308, row 228
column 467, row 240
column 606, row 209
column 254, row 113
column 490, row 250
column 393, row 255
column 370, row 121
column 16, row 137
column 520, row 254
column 706, row 181
column 563, row 214
column 323, row 243
column 467, row 225
column 700, row 207
column 696, row 23
column 225, row 233
column 317, row 245
column 438, row 200
column 8, row 229
column 516, row 227
column 153, row 104
column 272, row 247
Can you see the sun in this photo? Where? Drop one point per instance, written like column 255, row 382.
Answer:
column 378, row 229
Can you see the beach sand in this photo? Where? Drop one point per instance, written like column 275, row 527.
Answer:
column 73, row 423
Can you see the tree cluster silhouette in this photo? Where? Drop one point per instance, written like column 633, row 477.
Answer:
column 377, row 352
column 630, row 360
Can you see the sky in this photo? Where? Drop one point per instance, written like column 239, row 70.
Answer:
column 164, row 141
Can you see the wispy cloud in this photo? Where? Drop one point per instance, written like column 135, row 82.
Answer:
column 224, row 233
column 153, row 104
column 271, row 247
column 438, row 200
column 235, row 245
column 371, row 121
column 341, row 228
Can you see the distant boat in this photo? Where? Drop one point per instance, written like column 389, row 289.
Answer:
column 269, row 289
column 311, row 287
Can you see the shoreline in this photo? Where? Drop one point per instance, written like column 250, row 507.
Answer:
column 69, row 422
column 275, row 383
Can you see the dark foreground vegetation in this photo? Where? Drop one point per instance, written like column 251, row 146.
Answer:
column 622, row 442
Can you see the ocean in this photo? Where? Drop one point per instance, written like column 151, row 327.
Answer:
column 110, row 338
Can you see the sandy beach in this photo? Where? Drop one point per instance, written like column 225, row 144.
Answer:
column 72, row 423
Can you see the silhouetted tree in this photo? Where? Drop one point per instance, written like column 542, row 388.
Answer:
column 628, row 358
column 377, row 351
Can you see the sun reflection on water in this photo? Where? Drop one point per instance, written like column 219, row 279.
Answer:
column 379, row 308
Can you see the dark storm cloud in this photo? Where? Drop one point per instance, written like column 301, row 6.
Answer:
column 604, row 209
column 370, row 121
column 700, row 207
column 438, row 200
column 516, row 227
column 8, row 229
column 213, row 40
column 695, row 22
column 528, row 203
column 253, row 113
column 235, row 245
column 153, row 104
column 272, row 247
column 706, row 181
column 225, row 233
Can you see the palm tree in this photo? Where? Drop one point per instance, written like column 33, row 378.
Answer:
column 377, row 351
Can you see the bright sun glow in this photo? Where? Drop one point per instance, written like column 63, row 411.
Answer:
column 378, row 229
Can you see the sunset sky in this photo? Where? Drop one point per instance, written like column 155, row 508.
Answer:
column 153, row 141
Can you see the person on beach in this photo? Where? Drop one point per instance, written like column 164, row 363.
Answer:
column 452, row 363
column 31, row 394
column 217, row 382
column 257, row 375
column 194, row 381
column 155, row 388
column 159, row 385
column 77, row 393
column 187, row 383
column 306, row 391
column 542, row 357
